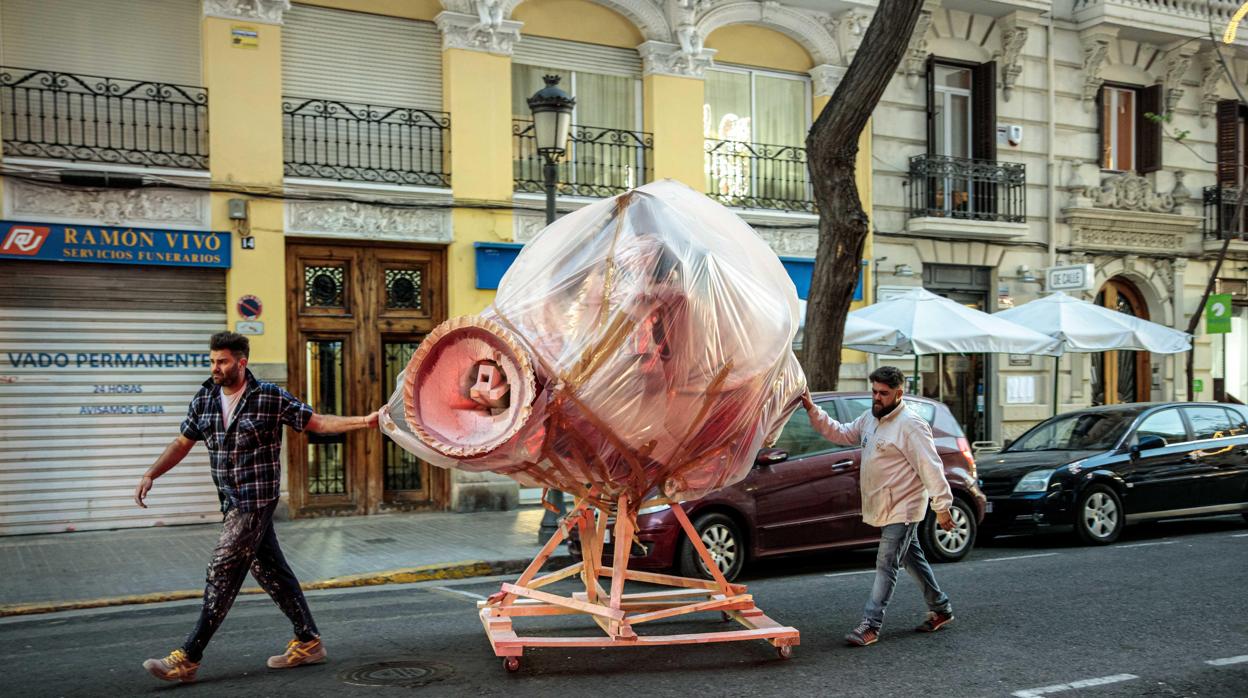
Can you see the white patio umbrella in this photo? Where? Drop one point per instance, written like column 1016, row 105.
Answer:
column 858, row 331
column 1085, row 327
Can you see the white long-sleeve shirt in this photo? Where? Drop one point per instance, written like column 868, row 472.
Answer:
column 900, row 467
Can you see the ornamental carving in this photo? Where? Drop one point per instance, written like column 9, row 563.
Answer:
column 659, row 58
column 791, row 243
column 525, row 227
column 1129, row 192
column 1010, row 58
column 137, row 207
column 369, row 221
column 1177, row 64
column 486, row 31
column 915, row 62
column 1095, row 50
column 825, row 78
column 1128, row 232
column 263, row 11
column 1210, row 74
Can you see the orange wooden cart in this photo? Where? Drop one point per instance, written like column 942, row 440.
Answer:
column 616, row 613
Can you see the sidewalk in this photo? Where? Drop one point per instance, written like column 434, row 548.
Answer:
column 103, row 568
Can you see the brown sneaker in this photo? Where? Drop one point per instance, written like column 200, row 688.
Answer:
column 175, row 667
column 863, row 635
column 934, row 621
column 310, row 652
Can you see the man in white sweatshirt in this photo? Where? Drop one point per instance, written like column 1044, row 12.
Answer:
column 900, row 471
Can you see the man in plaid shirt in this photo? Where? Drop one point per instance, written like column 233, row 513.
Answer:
column 240, row 420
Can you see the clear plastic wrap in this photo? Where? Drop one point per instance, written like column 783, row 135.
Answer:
column 641, row 343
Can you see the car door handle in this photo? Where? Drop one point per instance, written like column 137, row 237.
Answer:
column 841, row 465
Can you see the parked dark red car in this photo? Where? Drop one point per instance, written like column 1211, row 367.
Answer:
column 801, row 496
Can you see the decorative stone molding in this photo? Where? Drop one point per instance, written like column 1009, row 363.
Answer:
column 803, row 27
column 1177, row 63
column 1095, row 49
column 470, row 32
column 1129, row 192
column 156, row 208
column 525, row 227
column 368, row 221
column 261, row 11
column 1010, row 57
column 1210, row 74
column 1179, row 193
column 966, row 229
column 848, row 28
column 1110, row 230
column 659, row 58
column 825, row 78
column 914, row 64
column 789, row 242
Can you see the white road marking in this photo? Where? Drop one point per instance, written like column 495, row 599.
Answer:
column 469, row 594
column 844, row 574
column 1085, row 683
column 1016, row 557
column 1225, row 661
column 1142, row 545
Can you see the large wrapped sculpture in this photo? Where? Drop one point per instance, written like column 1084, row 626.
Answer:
column 637, row 350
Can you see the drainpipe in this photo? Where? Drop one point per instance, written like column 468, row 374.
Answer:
column 1054, row 169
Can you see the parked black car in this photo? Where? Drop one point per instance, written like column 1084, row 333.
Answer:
column 1104, row 467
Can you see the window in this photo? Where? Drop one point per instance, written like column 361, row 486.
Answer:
column 952, row 111
column 799, row 439
column 961, row 126
column 1208, row 422
column 1129, row 139
column 1088, row 431
column 1232, row 160
column 1167, row 424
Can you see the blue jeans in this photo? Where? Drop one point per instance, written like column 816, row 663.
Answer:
column 899, row 544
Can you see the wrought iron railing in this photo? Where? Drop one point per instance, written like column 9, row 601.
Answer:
column 1220, row 219
column 982, row 190
column 332, row 139
column 68, row 116
column 758, row 175
column 600, row 161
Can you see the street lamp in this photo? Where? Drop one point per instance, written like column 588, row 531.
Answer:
column 552, row 119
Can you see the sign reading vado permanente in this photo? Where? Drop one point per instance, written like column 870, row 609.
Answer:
column 116, row 245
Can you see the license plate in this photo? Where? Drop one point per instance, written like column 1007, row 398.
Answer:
column 988, row 508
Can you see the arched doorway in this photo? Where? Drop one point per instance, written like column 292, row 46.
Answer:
column 1121, row 376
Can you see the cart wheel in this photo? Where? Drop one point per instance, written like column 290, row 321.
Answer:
column 724, row 616
column 785, row 651
column 511, row 664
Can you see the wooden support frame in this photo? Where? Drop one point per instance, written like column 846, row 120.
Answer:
column 614, row 611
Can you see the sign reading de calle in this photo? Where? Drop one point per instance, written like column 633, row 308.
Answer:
column 116, row 245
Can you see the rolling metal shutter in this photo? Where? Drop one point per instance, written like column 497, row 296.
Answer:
column 156, row 40
column 97, row 366
column 574, row 55
column 357, row 57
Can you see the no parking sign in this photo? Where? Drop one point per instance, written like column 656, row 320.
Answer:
column 249, row 307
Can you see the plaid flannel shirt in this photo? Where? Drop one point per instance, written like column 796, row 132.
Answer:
column 245, row 456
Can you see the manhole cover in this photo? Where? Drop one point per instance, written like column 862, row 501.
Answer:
column 405, row 674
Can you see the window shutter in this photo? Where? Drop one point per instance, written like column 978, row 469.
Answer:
column 1148, row 132
column 1101, row 137
column 931, row 105
column 984, row 111
column 1228, row 142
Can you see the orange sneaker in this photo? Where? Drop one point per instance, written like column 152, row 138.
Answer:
column 175, row 667
column 310, row 652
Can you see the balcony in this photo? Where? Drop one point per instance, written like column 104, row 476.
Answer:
column 600, row 162
column 66, row 116
column 345, row 141
column 1222, row 223
column 971, row 198
column 758, row 176
column 1157, row 20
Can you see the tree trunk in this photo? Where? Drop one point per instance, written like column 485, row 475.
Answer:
column 832, row 150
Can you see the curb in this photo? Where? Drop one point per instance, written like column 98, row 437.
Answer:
column 426, row 573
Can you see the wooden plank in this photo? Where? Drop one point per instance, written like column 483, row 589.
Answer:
column 742, row 601
column 673, row 581
column 556, row 576
column 592, row 609
column 692, row 533
column 543, row 555
column 623, row 538
column 784, row 635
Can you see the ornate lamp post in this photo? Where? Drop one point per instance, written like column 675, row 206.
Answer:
column 552, row 119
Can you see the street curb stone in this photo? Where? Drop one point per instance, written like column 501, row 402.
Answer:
column 426, row 573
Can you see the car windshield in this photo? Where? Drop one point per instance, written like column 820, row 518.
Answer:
column 857, row 405
column 1082, row 431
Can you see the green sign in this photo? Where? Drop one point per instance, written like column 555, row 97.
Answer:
column 1198, row 386
column 1218, row 314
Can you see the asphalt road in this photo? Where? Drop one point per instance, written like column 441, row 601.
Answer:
column 1162, row 613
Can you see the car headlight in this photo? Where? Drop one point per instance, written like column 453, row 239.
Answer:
column 1035, row 481
column 654, row 509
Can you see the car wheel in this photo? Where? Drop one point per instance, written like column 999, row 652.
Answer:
column 940, row 545
column 723, row 540
column 1099, row 517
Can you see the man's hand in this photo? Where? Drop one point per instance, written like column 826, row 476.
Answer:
column 807, row 401
column 945, row 519
column 140, row 492
column 371, row 420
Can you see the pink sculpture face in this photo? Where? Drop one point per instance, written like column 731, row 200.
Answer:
column 640, row 343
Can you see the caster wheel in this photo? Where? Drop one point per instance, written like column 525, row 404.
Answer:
column 511, row 664
column 785, row 651
column 724, row 617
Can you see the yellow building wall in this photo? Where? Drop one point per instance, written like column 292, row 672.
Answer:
column 477, row 92
column 747, row 44
column 407, row 9
column 245, row 139
column 672, row 111
column 577, row 20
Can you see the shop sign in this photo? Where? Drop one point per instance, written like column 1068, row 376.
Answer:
column 1218, row 314
column 1079, row 277
column 114, row 245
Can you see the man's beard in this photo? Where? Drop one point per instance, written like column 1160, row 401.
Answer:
column 880, row 411
column 227, row 379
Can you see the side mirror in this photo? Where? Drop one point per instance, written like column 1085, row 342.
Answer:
column 1147, row 443
column 771, row 456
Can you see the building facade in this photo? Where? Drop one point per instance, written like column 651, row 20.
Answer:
column 334, row 178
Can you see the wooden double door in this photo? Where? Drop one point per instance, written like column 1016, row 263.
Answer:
column 356, row 313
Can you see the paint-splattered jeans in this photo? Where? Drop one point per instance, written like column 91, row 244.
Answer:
column 248, row 542
column 899, row 545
